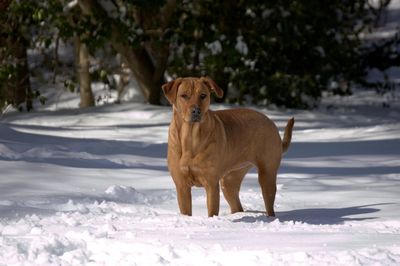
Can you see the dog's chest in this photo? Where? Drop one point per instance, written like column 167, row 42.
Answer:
column 196, row 172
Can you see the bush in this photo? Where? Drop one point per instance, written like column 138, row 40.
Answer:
column 280, row 52
column 260, row 52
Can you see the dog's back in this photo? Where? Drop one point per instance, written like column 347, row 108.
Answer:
column 247, row 124
column 251, row 132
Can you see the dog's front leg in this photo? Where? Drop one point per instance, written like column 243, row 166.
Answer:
column 185, row 199
column 212, row 191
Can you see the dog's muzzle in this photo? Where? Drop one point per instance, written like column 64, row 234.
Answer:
column 196, row 114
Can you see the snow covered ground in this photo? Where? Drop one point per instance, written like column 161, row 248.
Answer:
column 91, row 187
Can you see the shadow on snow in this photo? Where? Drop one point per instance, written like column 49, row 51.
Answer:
column 316, row 216
column 37, row 148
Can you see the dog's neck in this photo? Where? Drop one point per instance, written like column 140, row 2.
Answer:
column 191, row 137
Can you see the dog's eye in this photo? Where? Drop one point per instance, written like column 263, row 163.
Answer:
column 184, row 96
column 203, row 96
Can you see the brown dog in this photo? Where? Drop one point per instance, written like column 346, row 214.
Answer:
column 216, row 148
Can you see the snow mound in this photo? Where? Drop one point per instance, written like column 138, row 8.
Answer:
column 126, row 194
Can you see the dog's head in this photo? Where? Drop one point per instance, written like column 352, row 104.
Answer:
column 191, row 96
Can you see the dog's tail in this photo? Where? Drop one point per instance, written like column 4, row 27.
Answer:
column 287, row 137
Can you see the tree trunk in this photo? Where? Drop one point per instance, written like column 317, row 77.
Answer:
column 160, row 55
column 17, row 89
column 140, row 64
column 4, row 5
column 149, row 74
column 82, row 68
column 23, row 92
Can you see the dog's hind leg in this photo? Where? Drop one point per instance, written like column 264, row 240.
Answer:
column 267, row 179
column 230, row 185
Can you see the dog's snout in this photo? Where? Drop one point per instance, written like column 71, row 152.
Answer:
column 196, row 114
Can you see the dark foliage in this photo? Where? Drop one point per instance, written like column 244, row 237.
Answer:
column 261, row 52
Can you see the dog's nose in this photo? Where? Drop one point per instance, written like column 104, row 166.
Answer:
column 196, row 114
column 196, row 111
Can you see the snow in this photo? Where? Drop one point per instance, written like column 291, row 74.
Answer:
column 91, row 187
column 215, row 47
column 241, row 46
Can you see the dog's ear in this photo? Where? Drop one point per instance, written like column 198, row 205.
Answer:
column 213, row 86
column 170, row 90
